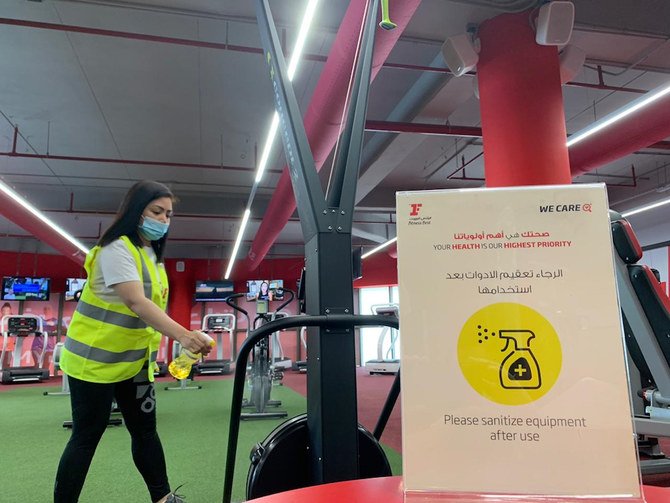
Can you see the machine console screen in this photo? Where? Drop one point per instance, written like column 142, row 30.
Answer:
column 261, row 306
column 18, row 326
column 218, row 323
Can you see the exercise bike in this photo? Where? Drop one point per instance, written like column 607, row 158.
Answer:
column 261, row 373
column 281, row 461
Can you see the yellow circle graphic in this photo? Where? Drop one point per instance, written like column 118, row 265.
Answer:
column 509, row 353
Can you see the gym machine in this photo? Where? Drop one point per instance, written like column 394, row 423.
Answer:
column 215, row 325
column 646, row 320
column 278, row 359
column 20, row 327
column 301, row 365
column 260, row 373
column 327, row 444
column 65, row 385
column 161, row 368
column 383, row 365
column 114, row 415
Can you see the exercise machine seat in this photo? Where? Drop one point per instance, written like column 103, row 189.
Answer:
column 654, row 302
column 625, row 242
column 628, row 248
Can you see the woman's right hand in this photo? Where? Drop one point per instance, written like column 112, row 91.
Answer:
column 196, row 342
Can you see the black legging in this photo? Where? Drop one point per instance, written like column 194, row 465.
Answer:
column 91, row 406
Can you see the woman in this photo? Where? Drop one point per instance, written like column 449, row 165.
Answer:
column 264, row 292
column 112, row 340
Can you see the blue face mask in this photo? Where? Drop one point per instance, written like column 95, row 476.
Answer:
column 152, row 229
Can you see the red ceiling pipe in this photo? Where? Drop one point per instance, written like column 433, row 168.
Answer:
column 129, row 161
column 639, row 130
column 324, row 115
column 16, row 213
column 377, row 126
column 137, row 162
column 128, row 35
column 203, row 216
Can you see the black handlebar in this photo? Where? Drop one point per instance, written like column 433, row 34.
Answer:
column 332, row 321
column 235, row 306
column 286, row 303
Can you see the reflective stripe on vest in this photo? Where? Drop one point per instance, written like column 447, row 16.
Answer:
column 108, row 342
column 118, row 319
column 103, row 356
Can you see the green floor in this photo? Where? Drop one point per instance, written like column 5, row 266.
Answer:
column 193, row 426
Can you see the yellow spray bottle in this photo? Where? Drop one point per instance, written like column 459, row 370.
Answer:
column 519, row 369
column 180, row 367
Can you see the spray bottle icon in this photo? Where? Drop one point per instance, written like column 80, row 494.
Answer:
column 519, row 369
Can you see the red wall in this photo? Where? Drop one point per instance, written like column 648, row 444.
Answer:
column 378, row 270
column 55, row 267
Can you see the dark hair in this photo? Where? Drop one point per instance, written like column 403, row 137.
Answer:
column 6, row 304
column 128, row 217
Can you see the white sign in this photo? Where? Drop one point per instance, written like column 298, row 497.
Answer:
column 513, row 370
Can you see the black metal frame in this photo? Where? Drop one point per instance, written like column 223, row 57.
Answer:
column 326, row 223
column 329, row 322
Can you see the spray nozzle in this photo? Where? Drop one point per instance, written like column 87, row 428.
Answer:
column 210, row 341
column 520, row 338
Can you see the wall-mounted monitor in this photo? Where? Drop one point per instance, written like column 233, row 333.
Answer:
column 25, row 288
column 277, row 289
column 213, row 290
column 265, row 289
column 73, row 288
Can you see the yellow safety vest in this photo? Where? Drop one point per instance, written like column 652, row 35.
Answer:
column 107, row 342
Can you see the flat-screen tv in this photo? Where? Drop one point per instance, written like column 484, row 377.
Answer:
column 73, row 288
column 265, row 289
column 25, row 288
column 213, row 290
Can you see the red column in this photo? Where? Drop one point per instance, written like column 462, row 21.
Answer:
column 523, row 123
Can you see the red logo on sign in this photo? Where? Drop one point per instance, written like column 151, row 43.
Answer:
column 416, row 207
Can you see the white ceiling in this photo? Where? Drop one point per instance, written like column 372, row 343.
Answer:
column 81, row 95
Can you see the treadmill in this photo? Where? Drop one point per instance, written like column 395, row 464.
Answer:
column 278, row 359
column 216, row 325
column 20, row 327
column 385, row 364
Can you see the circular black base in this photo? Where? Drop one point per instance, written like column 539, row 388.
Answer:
column 280, row 462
